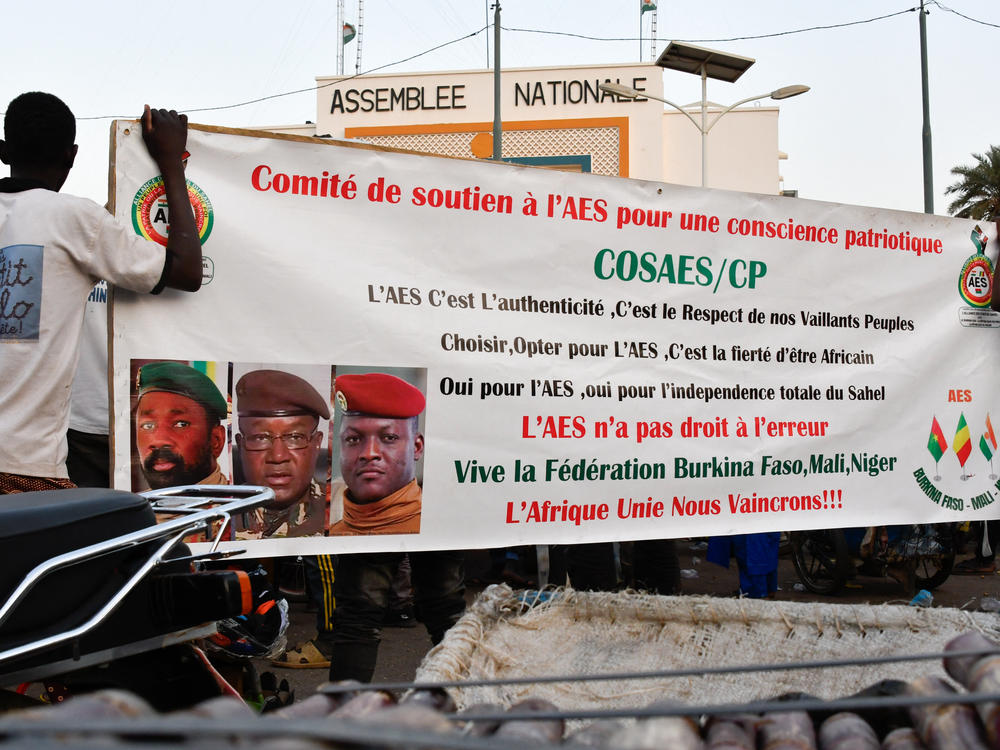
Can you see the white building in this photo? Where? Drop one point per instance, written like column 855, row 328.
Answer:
column 555, row 117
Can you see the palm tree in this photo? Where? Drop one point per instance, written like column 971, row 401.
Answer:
column 978, row 188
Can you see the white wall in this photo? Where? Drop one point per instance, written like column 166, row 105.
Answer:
column 742, row 150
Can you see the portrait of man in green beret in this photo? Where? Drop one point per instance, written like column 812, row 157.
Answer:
column 179, row 425
column 281, row 418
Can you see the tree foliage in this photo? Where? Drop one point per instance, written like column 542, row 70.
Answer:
column 978, row 189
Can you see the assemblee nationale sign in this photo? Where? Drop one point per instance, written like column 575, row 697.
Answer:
column 602, row 358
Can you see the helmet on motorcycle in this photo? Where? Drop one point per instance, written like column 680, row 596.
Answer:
column 261, row 633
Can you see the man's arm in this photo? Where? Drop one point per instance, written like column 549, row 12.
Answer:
column 165, row 135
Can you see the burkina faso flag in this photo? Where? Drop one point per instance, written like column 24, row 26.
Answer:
column 962, row 444
column 936, row 443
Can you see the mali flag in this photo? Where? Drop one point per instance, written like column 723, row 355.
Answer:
column 962, row 444
column 936, row 443
column 988, row 442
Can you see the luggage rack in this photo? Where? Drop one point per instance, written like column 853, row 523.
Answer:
column 199, row 506
column 194, row 508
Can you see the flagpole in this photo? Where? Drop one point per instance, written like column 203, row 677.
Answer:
column 937, row 472
column 640, row 33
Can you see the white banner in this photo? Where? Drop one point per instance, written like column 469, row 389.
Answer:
column 602, row 358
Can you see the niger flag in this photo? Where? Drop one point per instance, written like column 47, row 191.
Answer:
column 988, row 442
column 962, row 444
column 936, row 443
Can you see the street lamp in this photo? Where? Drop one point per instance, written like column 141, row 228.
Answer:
column 627, row 92
column 707, row 63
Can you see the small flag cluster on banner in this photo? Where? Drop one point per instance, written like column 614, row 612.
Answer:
column 962, row 442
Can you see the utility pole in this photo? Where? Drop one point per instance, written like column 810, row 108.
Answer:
column 497, row 128
column 926, row 133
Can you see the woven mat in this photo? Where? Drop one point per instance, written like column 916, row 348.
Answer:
column 585, row 633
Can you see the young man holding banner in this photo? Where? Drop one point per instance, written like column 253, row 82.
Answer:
column 53, row 248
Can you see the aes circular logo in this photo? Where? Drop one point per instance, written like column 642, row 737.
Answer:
column 975, row 282
column 150, row 216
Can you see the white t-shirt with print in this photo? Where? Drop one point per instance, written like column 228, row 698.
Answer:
column 88, row 403
column 53, row 248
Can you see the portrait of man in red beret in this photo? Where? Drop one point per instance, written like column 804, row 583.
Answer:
column 380, row 445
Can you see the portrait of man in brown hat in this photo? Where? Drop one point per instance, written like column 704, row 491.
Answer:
column 279, row 439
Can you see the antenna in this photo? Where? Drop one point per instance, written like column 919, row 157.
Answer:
column 340, row 37
column 361, row 26
column 652, row 35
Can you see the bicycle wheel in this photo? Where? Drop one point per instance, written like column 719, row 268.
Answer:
column 821, row 559
column 934, row 569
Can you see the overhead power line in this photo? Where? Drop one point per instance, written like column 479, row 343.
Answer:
column 726, row 39
column 476, row 33
column 309, row 88
column 962, row 15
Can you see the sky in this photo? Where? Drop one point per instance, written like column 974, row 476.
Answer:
column 854, row 138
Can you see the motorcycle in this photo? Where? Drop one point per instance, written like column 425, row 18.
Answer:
column 99, row 588
column 919, row 556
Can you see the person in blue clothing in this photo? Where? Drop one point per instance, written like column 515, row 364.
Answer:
column 756, row 561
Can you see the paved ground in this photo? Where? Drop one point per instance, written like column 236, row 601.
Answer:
column 402, row 649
